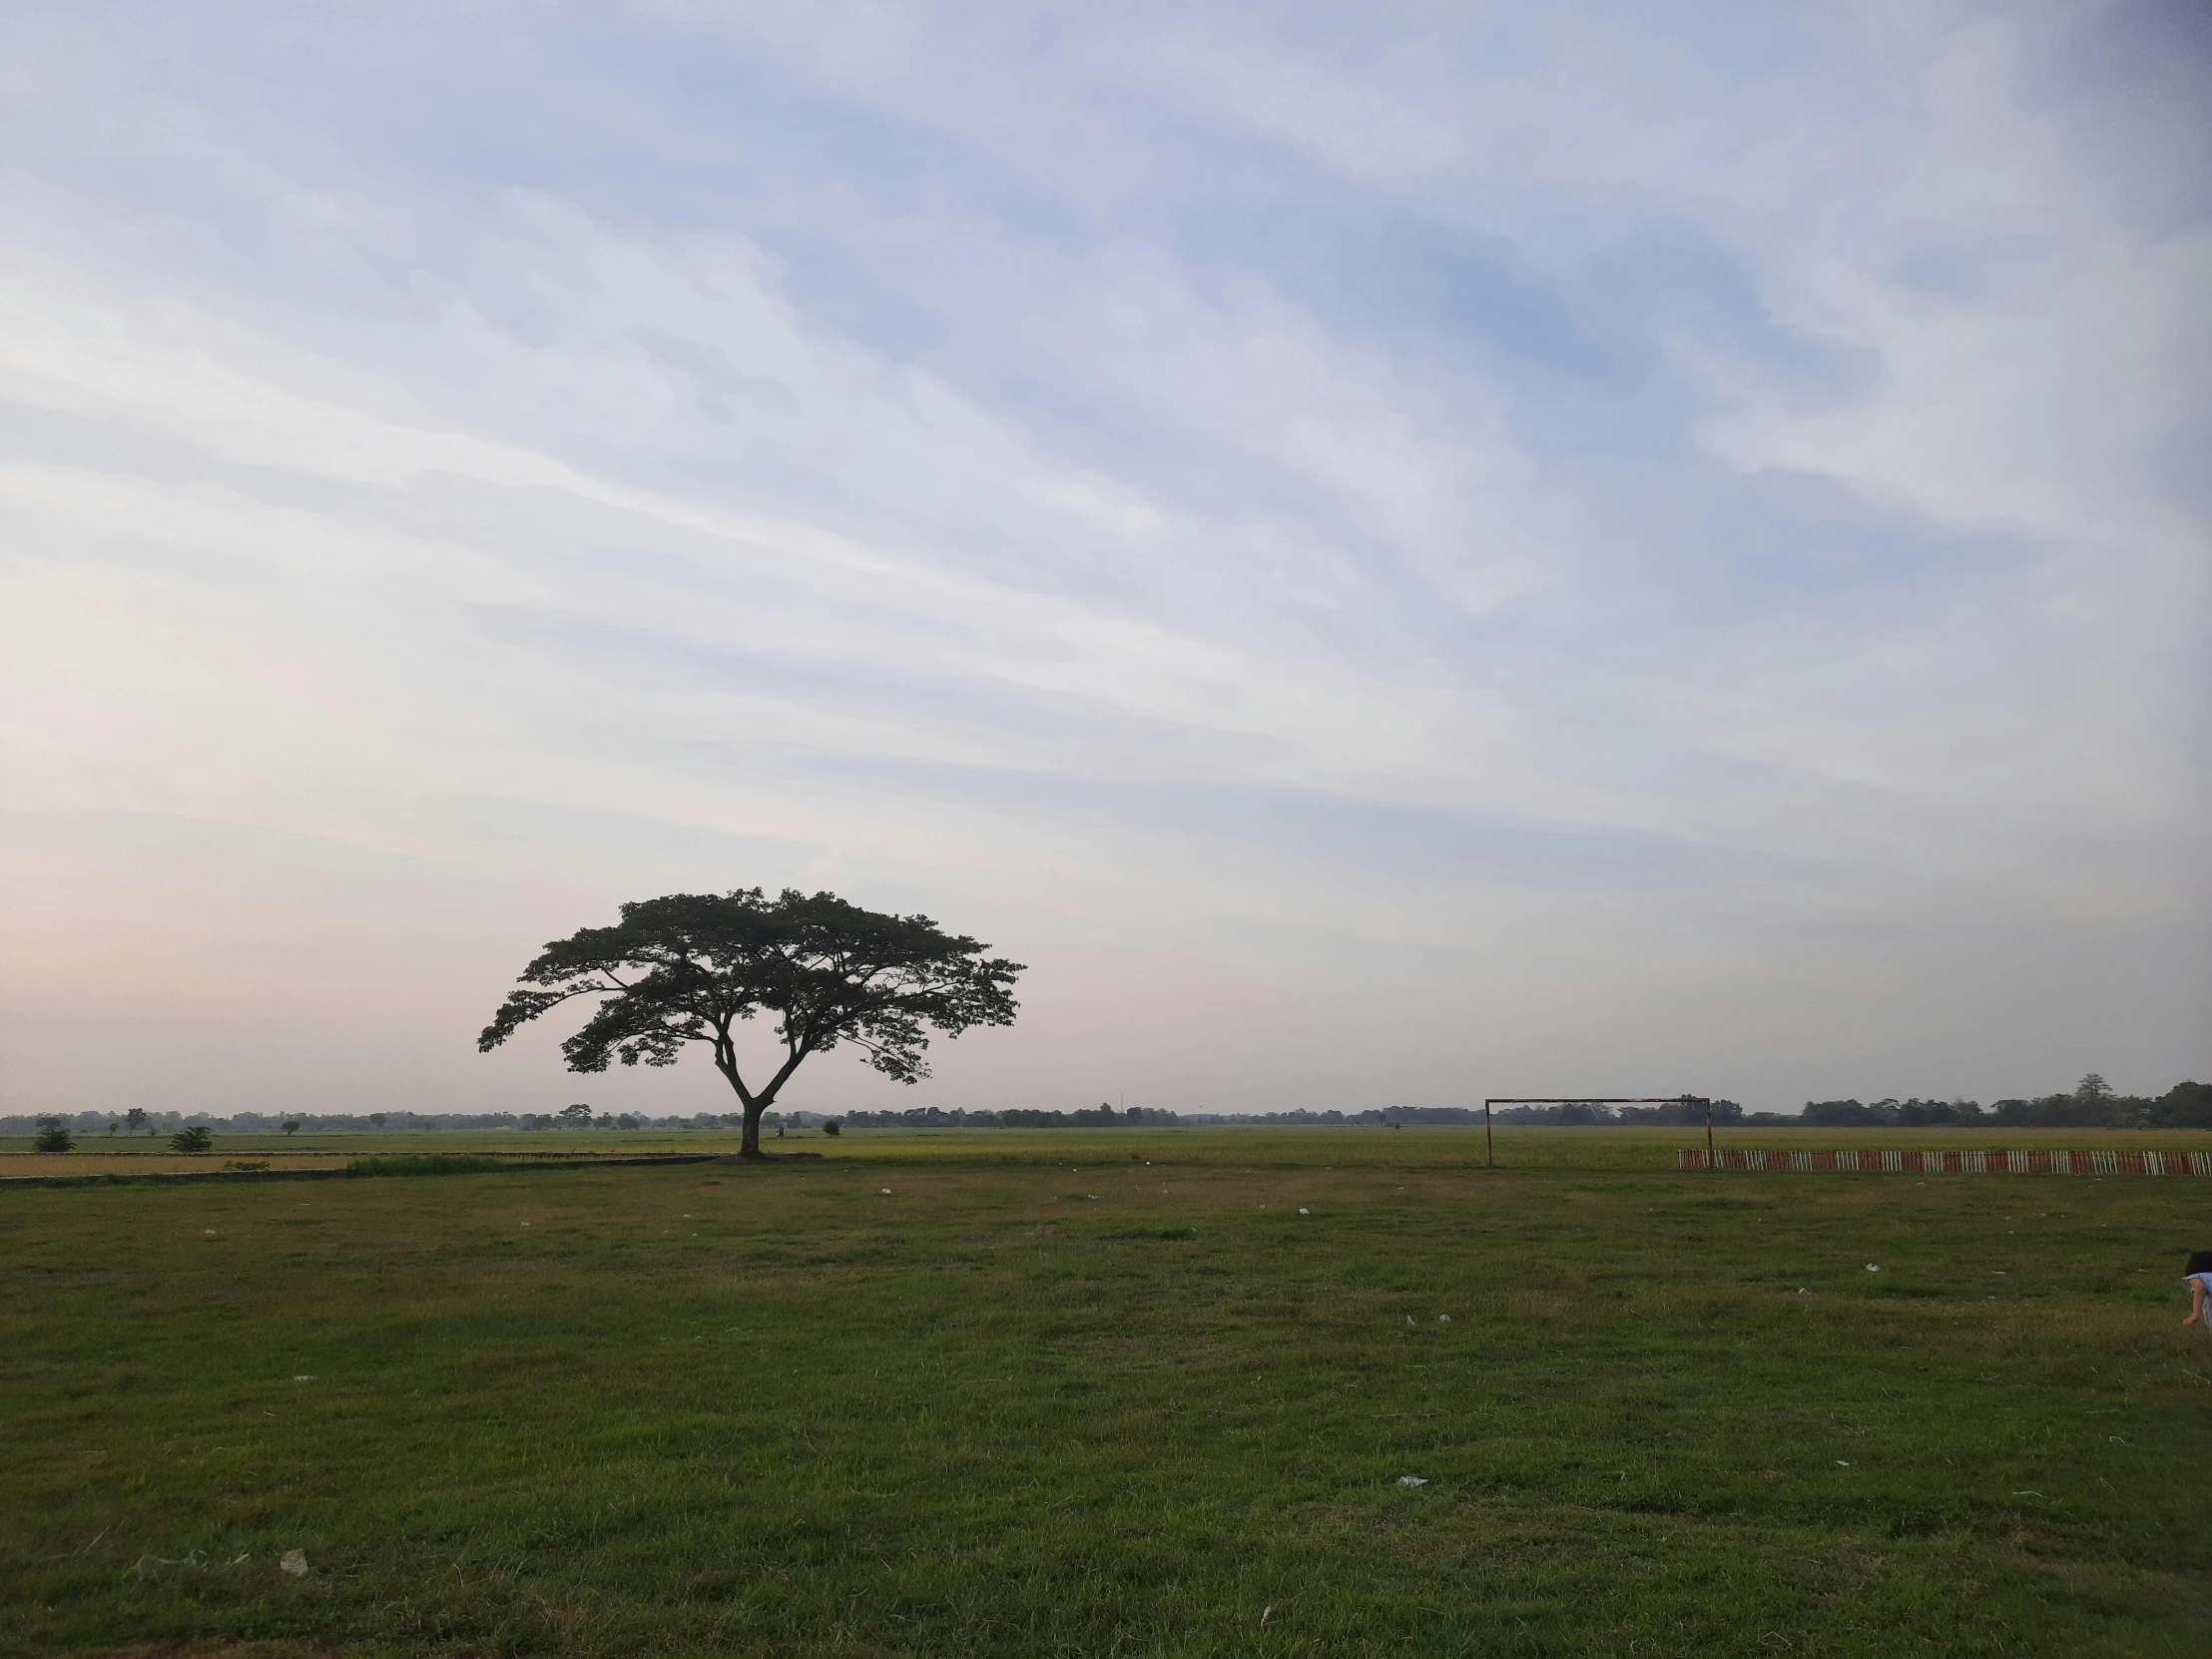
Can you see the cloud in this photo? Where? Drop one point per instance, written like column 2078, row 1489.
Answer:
column 1680, row 527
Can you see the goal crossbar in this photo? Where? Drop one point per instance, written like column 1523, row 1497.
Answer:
column 1489, row 1147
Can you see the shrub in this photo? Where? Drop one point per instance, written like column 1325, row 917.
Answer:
column 194, row 1139
column 53, row 1135
column 425, row 1162
column 830, row 1126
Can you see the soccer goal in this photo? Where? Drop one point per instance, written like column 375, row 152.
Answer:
column 1489, row 1146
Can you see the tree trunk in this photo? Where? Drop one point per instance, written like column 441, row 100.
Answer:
column 726, row 1062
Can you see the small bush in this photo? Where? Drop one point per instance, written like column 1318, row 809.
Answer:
column 195, row 1139
column 425, row 1162
column 830, row 1126
column 256, row 1163
column 53, row 1136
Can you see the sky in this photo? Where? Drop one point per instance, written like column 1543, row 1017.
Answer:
column 1390, row 553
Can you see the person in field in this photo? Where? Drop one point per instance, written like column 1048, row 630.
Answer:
column 2198, row 1277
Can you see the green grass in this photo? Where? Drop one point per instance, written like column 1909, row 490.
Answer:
column 1045, row 1398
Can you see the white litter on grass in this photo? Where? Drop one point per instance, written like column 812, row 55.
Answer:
column 1871, row 1268
column 1443, row 1319
column 526, row 1224
column 1840, row 1463
column 294, row 1562
column 886, row 1192
column 210, row 1232
column 1412, row 1480
column 1801, row 1291
column 304, row 1378
column 1302, row 1210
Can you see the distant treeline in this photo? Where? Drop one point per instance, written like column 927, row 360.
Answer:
column 145, row 1123
column 2089, row 1105
column 933, row 1117
column 1386, row 1117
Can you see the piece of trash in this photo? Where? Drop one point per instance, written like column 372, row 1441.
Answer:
column 2000, row 1272
column 1443, row 1319
column 2028, row 1494
column 1302, row 1210
column 1871, row 1268
column 1840, row 1463
column 886, row 1192
column 1801, row 1291
column 1408, row 1319
column 1412, row 1480
column 526, row 1224
column 303, row 1379
column 294, row 1562
column 210, row 1232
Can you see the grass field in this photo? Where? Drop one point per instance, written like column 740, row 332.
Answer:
column 1047, row 1397
column 1456, row 1148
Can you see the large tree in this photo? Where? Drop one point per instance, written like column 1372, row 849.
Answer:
column 692, row 968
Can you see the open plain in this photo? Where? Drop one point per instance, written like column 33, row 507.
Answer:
column 1123, row 1393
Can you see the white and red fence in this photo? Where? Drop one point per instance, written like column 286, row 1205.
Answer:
column 1953, row 1162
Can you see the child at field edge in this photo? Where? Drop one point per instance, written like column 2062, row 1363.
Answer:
column 2198, row 1277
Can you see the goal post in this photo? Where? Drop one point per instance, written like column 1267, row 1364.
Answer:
column 1489, row 1145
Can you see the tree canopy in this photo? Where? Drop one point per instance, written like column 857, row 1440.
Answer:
column 692, row 968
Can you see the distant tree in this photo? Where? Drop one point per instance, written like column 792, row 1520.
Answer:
column 2184, row 1106
column 376, row 1120
column 577, row 1116
column 830, row 1127
column 136, row 1118
column 53, row 1135
column 292, row 1126
column 2092, row 1090
column 112, row 1126
column 194, row 1138
column 690, row 967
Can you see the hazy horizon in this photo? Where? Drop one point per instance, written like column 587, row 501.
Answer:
column 1391, row 556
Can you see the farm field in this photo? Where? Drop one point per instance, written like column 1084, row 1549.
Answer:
column 1352, row 1147
column 1115, row 1392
